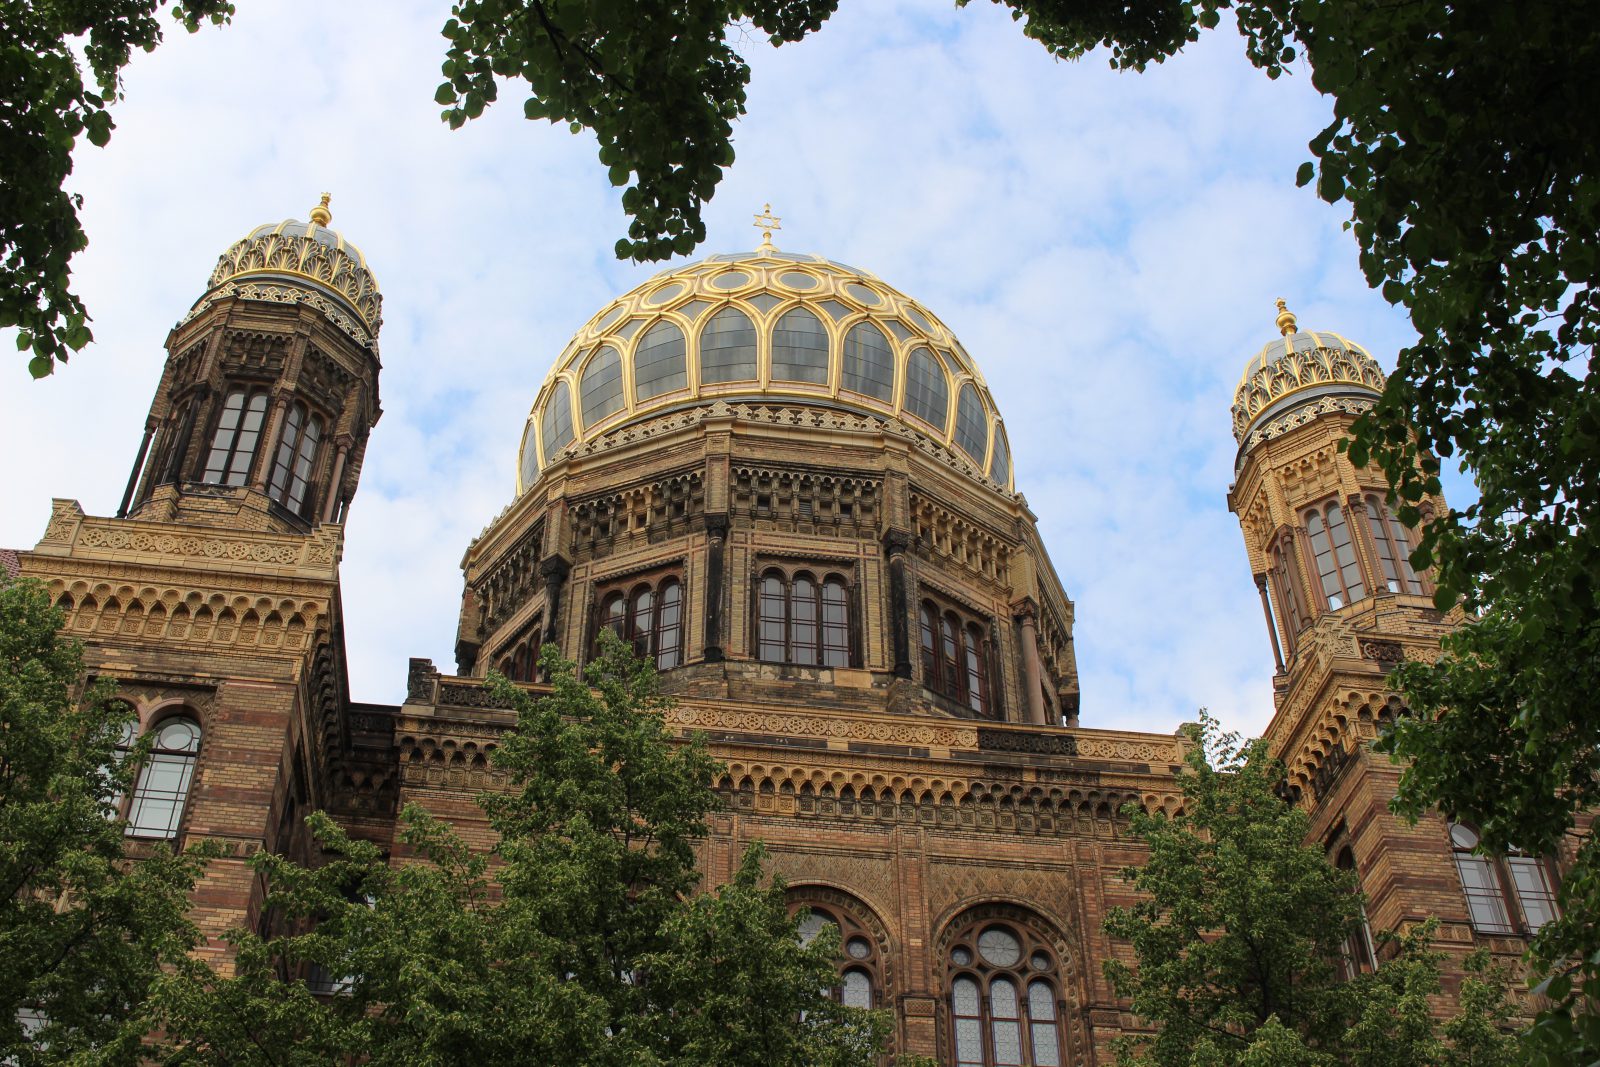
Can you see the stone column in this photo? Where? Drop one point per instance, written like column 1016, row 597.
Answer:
column 1272, row 629
column 138, row 465
column 269, row 443
column 895, row 543
column 554, row 571
column 332, row 502
column 1032, row 673
column 716, row 543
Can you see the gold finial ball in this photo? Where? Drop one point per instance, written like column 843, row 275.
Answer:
column 320, row 214
column 1286, row 320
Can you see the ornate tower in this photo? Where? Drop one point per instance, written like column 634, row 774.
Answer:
column 1343, row 607
column 271, row 387
column 213, row 597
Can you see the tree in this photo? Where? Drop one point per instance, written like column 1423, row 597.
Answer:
column 84, row 931
column 582, row 941
column 45, row 104
column 1239, row 932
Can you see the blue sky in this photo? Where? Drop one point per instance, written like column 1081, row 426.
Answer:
column 1107, row 247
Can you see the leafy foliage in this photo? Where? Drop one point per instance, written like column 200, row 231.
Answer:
column 46, row 103
column 1238, row 932
column 584, row 943
column 83, row 931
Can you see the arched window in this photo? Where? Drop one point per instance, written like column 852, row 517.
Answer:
column 972, row 429
column 1000, row 459
column 1337, row 568
column 955, row 656
column 162, row 788
column 1004, row 996
column 802, row 620
column 600, row 388
column 728, row 348
column 800, row 348
column 1285, row 580
column 297, row 452
column 868, row 362
column 1497, row 907
column 556, row 426
column 860, row 969
column 1394, row 548
column 927, row 389
column 649, row 616
column 238, row 433
column 658, row 362
column 530, row 456
column 1357, row 956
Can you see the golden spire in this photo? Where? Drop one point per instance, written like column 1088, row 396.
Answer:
column 320, row 215
column 1286, row 320
column 766, row 222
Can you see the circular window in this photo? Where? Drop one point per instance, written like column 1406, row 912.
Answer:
column 610, row 317
column 999, row 946
column 795, row 280
column 731, row 280
column 858, row 948
column 1462, row 837
column 960, row 956
column 1039, row 961
column 665, row 293
column 919, row 321
column 863, row 294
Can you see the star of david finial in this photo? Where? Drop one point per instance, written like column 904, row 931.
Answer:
column 766, row 222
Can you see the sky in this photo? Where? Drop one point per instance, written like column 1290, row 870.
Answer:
column 1107, row 246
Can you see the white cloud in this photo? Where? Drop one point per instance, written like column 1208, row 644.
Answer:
column 1107, row 246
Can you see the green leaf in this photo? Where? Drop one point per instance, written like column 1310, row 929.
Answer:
column 1307, row 171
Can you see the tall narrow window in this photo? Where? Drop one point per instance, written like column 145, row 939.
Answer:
column 803, row 621
column 669, row 629
column 1480, row 881
column 1286, row 587
column 1357, row 955
column 972, row 429
column 868, row 362
column 800, row 348
column 647, row 615
column 860, row 980
column 162, row 789
column 955, row 656
column 727, row 348
column 1003, row 1000
column 555, row 426
column 1394, row 548
column 238, row 432
column 1530, row 880
column 297, row 452
column 641, row 609
column 600, row 388
column 658, row 364
column 1000, row 459
column 1337, row 568
column 927, row 389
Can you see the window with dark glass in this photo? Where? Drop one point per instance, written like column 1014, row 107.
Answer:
column 800, row 348
column 1000, row 459
column 1393, row 545
column 297, row 454
column 868, row 362
column 600, row 388
column 1356, row 955
column 927, row 388
column 555, row 428
column 658, row 362
column 1335, row 556
column 955, row 656
column 648, row 615
column 728, row 348
column 972, row 429
column 234, row 442
column 803, row 618
column 1285, row 581
column 1498, row 904
column 1004, row 998
column 161, row 790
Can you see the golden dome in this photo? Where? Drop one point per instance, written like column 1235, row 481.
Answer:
column 767, row 328
column 279, row 261
column 1299, row 375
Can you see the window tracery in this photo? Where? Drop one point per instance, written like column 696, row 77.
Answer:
column 861, row 967
column 955, row 656
column 1335, row 555
column 648, row 615
column 1004, row 994
column 804, row 619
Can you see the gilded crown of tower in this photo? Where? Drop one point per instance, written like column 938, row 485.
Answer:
column 278, row 262
column 1298, row 376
